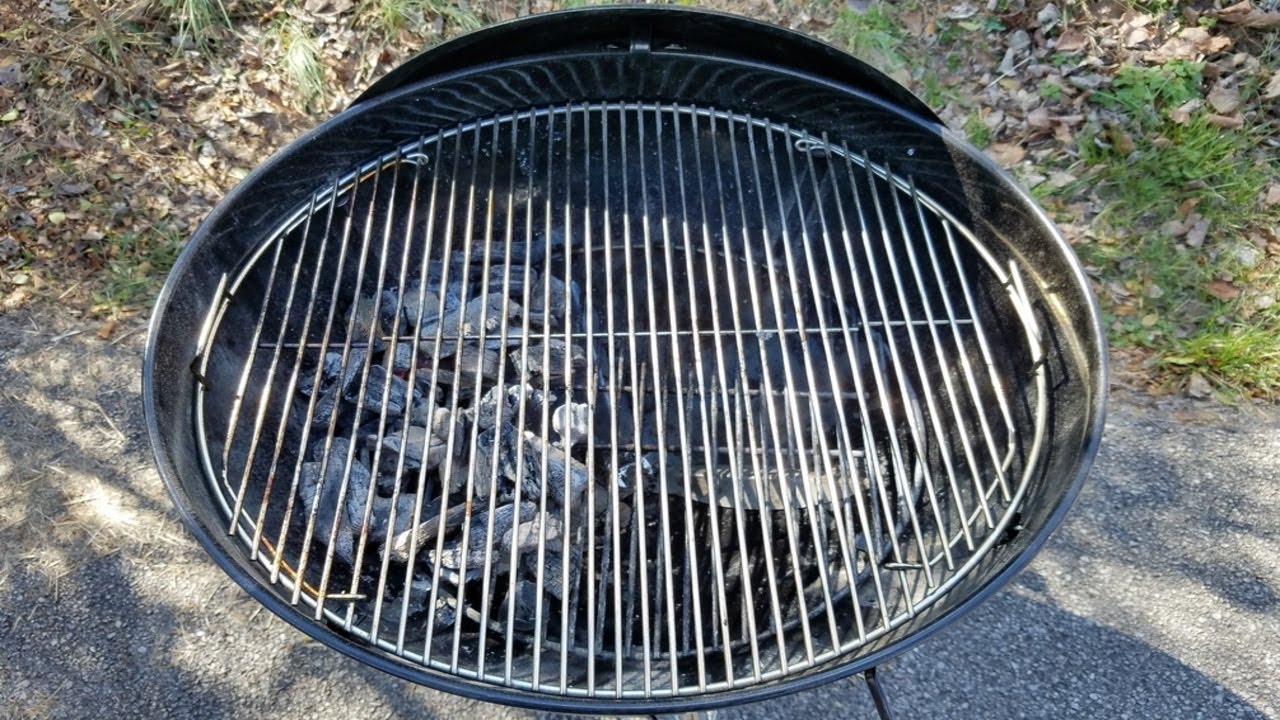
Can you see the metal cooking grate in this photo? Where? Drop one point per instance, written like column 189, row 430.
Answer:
column 621, row 400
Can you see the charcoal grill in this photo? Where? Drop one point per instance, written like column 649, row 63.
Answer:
column 626, row 360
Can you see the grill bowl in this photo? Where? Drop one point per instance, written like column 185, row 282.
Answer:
column 865, row 372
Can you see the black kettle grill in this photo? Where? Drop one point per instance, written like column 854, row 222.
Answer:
column 625, row 360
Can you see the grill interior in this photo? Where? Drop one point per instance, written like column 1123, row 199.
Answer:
column 620, row 400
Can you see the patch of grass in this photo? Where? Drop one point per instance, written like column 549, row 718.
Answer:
column 1050, row 90
column 1156, row 172
column 196, row 18
column 1194, row 161
column 1151, row 7
column 389, row 16
column 301, row 58
column 932, row 90
column 1242, row 359
column 136, row 264
column 1143, row 92
column 976, row 130
column 873, row 35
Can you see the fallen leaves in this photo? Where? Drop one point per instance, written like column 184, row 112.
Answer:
column 1272, row 90
column 1071, row 40
column 1225, row 100
column 72, row 189
column 1246, row 15
column 1223, row 290
column 1183, row 112
column 1197, row 233
column 15, row 299
column 1039, row 118
column 1272, row 196
column 1006, row 154
column 1225, row 122
column 1192, row 43
column 1198, row 387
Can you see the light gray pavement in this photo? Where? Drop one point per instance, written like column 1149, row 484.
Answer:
column 1159, row 598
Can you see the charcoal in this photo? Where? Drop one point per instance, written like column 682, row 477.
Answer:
column 422, row 447
column 366, row 322
column 552, row 302
column 419, row 600
column 513, row 287
column 495, row 445
column 572, row 421
column 326, row 404
column 532, row 526
column 381, row 516
column 321, row 497
column 423, row 405
column 403, row 357
column 420, row 305
column 555, row 579
column 396, row 392
column 631, row 474
column 485, row 312
column 330, row 369
column 566, row 476
column 547, row 359
column 486, row 409
column 355, row 364
column 499, row 549
column 526, row 599
column 401, row 543
column 466, row 368
column 446, row 609
column 331, row 390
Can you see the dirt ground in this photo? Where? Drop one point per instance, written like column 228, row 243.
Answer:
column 1160, row 596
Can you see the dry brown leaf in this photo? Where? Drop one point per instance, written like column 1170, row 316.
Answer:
column 1225, row 100
column 1196, row 232
column 1070, row 40
column 1006, row 154
column 916, row 24
column 1272, row 90
column 105, row 330
column 1190, row 44
column 1273, row 195
column 15, row 299
column 1182, row 113
column 1198, row 387
column 1223, row 290
column 1120, row 140
column 1136, row 37
column 1060, row 179
column 1245, row 14
column 1226, row 122
column 1039, row 119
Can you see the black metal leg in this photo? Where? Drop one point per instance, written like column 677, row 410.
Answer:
column 878, row 695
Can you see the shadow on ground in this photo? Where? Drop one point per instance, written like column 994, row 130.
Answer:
column 1155, row 600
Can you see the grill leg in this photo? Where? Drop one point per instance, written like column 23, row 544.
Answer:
column 878, row 696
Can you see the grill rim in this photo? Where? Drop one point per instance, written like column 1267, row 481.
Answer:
column 1093, row 359
column 731, row 36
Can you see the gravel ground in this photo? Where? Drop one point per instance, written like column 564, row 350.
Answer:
column 1159, row 598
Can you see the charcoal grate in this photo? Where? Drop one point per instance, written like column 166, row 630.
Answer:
column 621, row 400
